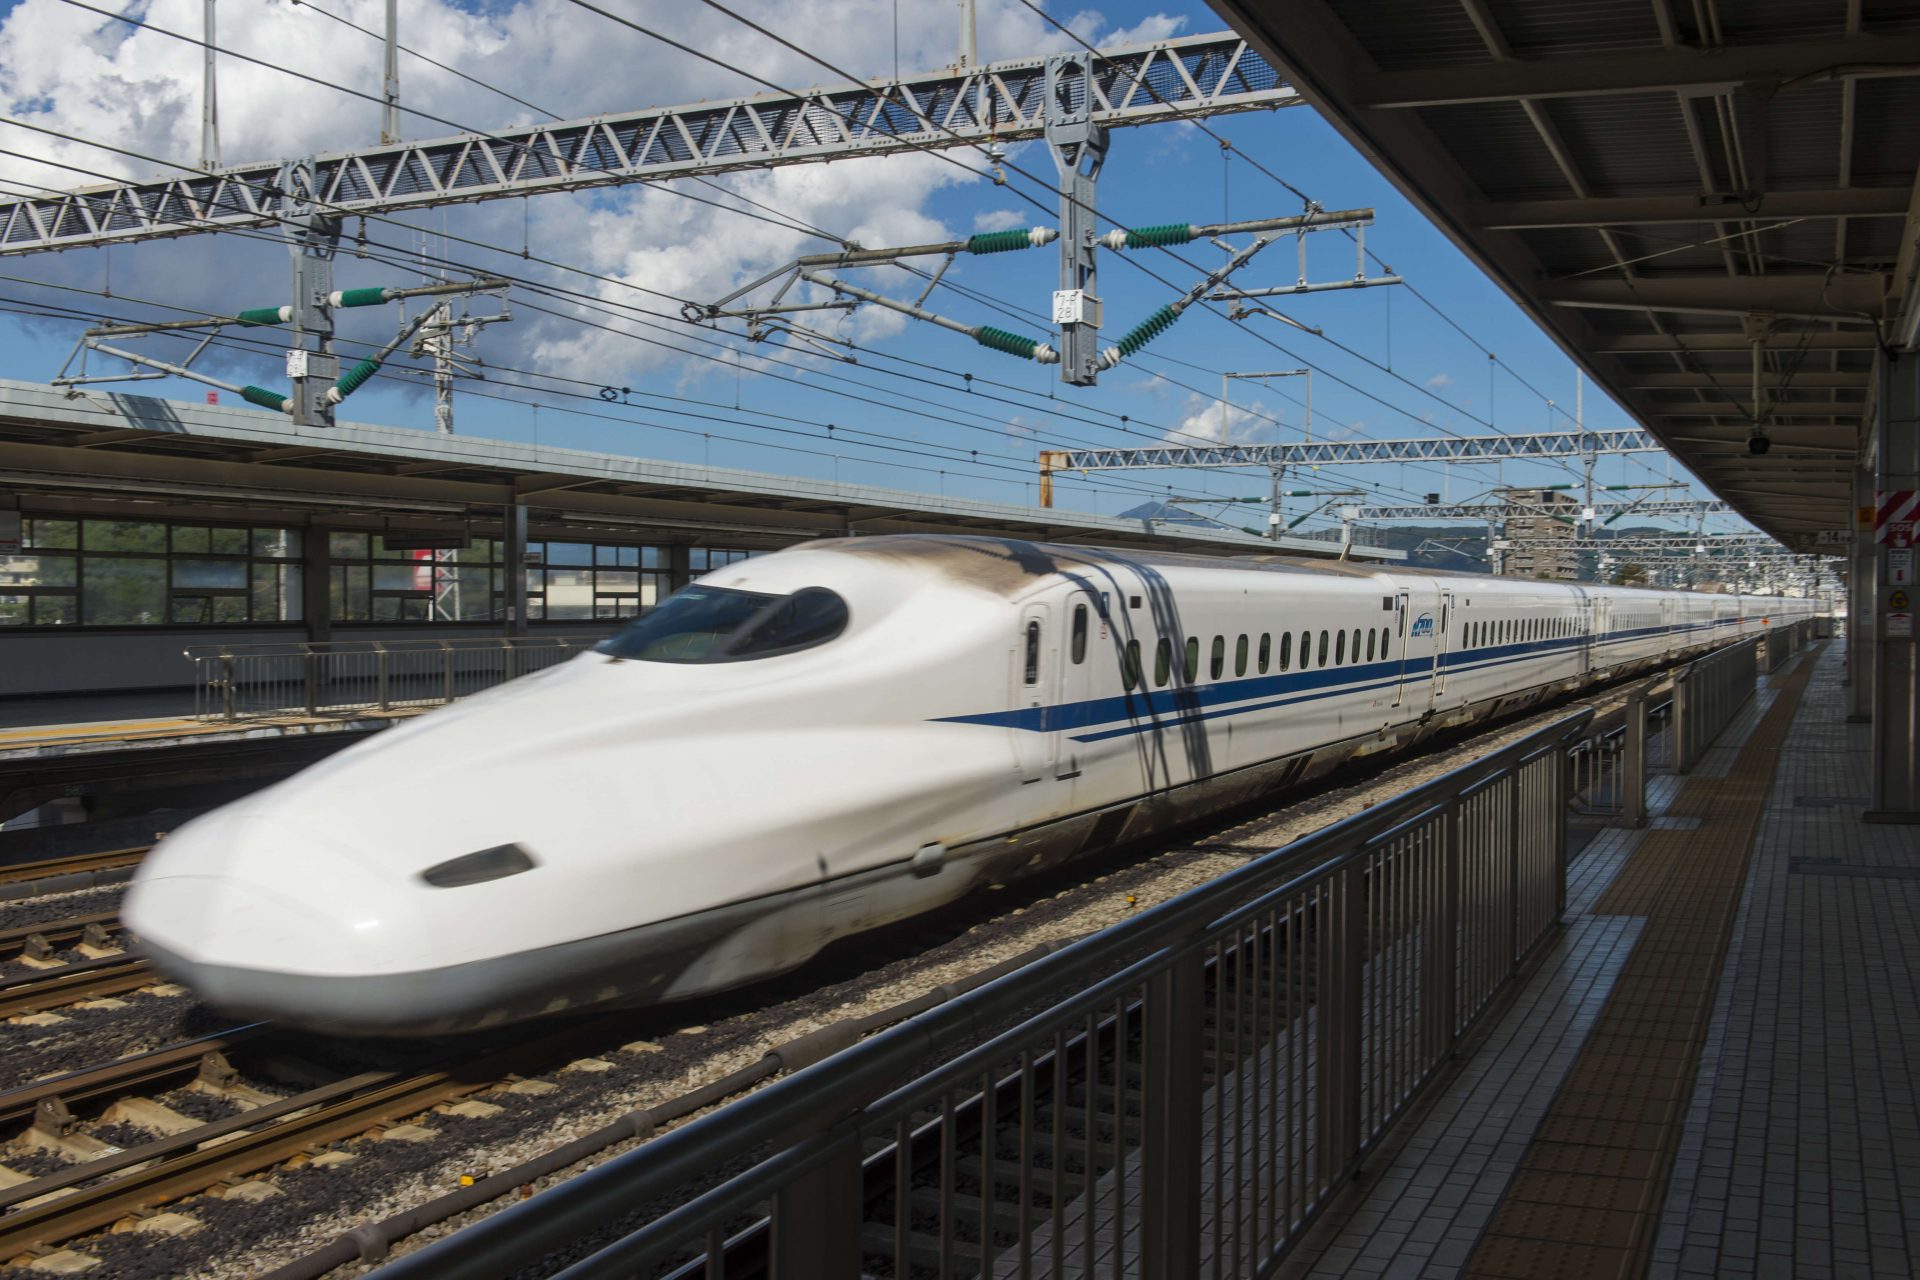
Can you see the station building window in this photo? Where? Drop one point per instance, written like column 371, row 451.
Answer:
column 131, row 573
column 372, row 582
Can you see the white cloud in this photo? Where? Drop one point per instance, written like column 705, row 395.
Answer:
column 999, row 220
column 140, row 90
column 1212, row 422
column 1440, row 381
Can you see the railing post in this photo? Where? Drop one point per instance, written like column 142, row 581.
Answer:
column 310, row 663
column 1633, row 764
column 380, row 652
column 1170, row 1143
column 446, row 672
column 1516, row 831
column 1682, row 725
column 1441, row 962
column 1341, row 1013
column 226, row 682
column 816, row 1220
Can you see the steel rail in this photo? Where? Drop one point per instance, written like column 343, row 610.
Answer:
column 69, row 984
column 73, row 864
column 120, row 1078
column 69, row 929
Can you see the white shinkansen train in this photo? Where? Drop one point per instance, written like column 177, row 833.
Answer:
column 818, row 741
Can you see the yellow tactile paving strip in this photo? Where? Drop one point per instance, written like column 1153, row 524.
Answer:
column 133, row 731
column 1586, row 1200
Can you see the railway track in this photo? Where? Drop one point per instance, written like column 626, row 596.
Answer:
column 107, row 969
column 73, row 871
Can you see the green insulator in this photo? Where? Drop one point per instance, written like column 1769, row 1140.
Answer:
column 356, row 377
column 998, row 242
column 1147, row 330
column 1000, row 340
column 264, row 398
column 363, row 297
column 261, row 315
column 1153, row 237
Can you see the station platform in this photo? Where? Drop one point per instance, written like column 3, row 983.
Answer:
column 39, row 725
column 1711, row 1071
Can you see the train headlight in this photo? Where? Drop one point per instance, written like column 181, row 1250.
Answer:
column 497, row 863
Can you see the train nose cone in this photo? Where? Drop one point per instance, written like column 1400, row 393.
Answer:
column 251, row 891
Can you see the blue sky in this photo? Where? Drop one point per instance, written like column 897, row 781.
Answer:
column 763, row 407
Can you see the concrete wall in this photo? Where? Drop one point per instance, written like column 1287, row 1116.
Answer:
column 37, row 663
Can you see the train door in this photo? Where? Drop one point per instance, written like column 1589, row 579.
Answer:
column 1441, row 627
column 1400, row 644
column 1087, row 644
column 1035, row 671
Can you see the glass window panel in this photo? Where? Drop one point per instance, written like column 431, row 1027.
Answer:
column 463, row 595
column 16, row 611
column 569, row 553
column 381, row 551
column 1130, row 666
column 55, row 611
column 229, row 542
column 125, row 535
column 536, row 610
column 1191, row 668
column 62, row 534
column 280, row 543
column 1323, row 650
column 1266, row 651
column 606, row 555
column 264, row 594
column 348, row 596
column 347, row 546
column 650, row 590
column 569, row 593
column 1079, row 653
column 697, row 559
column 123, row 593
column 654, row 558
column 630, row 557
column 191, row 537
column 1355, row 650
column 403, row 577
column 205, row 573
column 1339, row 647
column 1286, row 650
column 1217, row 659
column 616, row 606
column 37, row 571
column 1162, row 660
column 615, row 580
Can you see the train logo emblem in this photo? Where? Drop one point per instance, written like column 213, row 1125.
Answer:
column 1423, row 626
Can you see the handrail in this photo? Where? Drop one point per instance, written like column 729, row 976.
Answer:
column 234, row 682
column 815, row 1120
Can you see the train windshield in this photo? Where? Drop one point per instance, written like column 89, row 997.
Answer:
column 715, row 624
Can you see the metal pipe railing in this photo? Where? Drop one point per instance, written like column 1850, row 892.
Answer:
column 232, row 683
column 1206, row 1074
column 1707, row 694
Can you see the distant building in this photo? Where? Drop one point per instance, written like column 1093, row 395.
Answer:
column 1540, row 545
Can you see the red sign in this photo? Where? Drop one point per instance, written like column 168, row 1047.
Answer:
column 1893, row 516
column 213, row 397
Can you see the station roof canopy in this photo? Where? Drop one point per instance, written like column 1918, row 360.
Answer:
column 101, row 445
column 1661, row 186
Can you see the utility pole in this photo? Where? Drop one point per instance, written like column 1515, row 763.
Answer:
column 209, row 100
column 1276, row 472
column 312, row 238
column 441, row 336
column 969, row 35
column 390, row 110
column 1079, row 148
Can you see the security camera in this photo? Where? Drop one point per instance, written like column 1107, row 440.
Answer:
column 1758, row 444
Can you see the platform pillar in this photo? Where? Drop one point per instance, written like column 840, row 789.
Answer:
column 316, row 583
column 1860, row 570
column 1896, row 778
column 515, row 543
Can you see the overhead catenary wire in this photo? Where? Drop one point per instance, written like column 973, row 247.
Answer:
column 628, row 284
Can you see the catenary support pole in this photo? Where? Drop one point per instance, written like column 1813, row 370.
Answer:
column 1079, row 148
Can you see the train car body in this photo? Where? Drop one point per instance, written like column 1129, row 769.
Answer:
column 822, row 740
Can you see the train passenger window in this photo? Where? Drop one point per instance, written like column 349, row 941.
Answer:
column 1240, row 656
column 1371, row 640
column 1217, row 661
column 1306, row 649
column 1323, row 649
column 1266, row 651
column 1033, row 653
column 1386, row 641
column 1339, row 648
column 1356, row 644
column 1192, row 665
column 1130, row 666
column 1162, row 661
column 1079, row 633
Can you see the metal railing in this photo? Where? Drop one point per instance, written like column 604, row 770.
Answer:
column 1177, row 1095
column 1609, row 769
column 1784, row 641
column 1707, row 694
column 258, row 681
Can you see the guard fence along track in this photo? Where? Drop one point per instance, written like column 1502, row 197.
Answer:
column 1177, row 1094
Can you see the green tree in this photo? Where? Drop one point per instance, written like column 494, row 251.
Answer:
column 1630, row 575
